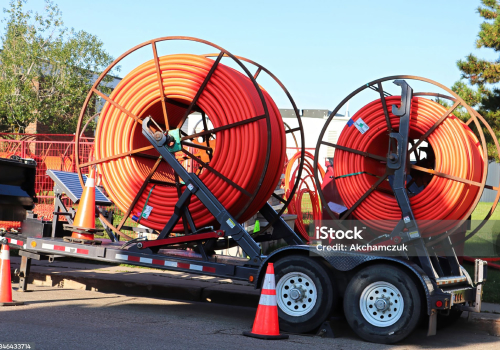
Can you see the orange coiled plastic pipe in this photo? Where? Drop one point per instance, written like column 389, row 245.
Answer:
column 456, row 151
column 240, row 152
column 295, row 206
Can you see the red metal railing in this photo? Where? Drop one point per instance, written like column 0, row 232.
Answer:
column 54, row 152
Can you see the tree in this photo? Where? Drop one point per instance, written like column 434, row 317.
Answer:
column 46, row 70
column 477, row 84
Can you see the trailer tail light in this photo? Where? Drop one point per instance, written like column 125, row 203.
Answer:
column 251, row 278
column 33, row 244
column 439, row 303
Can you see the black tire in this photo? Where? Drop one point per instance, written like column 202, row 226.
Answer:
column 409, row 315
column 326, row 294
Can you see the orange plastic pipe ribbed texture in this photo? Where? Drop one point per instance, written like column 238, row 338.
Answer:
column 240, row 151
column 457, row 152
column 295, row 206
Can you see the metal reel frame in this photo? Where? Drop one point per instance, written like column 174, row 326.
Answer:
column 376, row 85
column 185, row 139
column 300, row 129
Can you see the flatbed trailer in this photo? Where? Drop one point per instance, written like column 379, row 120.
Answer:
column 330, row 275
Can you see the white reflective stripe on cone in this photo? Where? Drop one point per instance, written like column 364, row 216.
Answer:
column 90, row 182
column 269, row 282
column 268, row 300
column 5, row 254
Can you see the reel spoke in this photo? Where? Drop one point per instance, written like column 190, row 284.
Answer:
column 161, row 182
column 257, row 72
column 182, row 105
column 200, row 91
column 160, row 84
column 447, row 176
column 352, row 150
column 207, row 138
column 113, row 228
column 139, row 193
column 380, row 90
column 130, row 114
column 215, row 172
column 278, row 198
column 431, row 130
column 190, row 144
column 144, row 155
column 363, row 197
column 221, row 128
column 415, row 151
column 137, row 152
column 289, row 131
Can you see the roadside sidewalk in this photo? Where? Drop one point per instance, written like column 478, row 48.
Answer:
column 488, row 320
column 139, row 281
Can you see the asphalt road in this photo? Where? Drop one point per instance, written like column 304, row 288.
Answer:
column 55, row 318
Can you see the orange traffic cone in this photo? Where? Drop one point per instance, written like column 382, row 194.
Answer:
column 266, row 324
column 5, row 282
column 85, row 215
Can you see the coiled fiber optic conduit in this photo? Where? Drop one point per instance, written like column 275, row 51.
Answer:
column 457, row 152
column 240, row 151
column 295, row 206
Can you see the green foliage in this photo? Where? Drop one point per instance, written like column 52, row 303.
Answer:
column 46, row 70
column 477, row 85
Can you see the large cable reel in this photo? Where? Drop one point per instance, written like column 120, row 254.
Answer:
column 242, row 168
column 451, row 177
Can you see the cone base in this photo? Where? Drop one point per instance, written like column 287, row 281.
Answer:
column 87, row 236
column 266, row 336
column 12, row 303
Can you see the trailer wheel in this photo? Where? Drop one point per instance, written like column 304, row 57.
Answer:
column 304, row 293
column 382, row 304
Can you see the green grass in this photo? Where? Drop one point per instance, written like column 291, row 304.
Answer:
column 482, row 209
column 117, row 217
column 491, row 291
column 486, row 242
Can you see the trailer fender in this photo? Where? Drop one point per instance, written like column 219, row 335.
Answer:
column 346, row 261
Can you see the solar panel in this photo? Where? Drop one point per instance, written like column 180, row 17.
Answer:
column 70, row 185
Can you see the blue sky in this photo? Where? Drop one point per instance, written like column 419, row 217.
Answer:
column 321, row 50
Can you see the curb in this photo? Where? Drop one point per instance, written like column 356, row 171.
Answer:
column 486, row 322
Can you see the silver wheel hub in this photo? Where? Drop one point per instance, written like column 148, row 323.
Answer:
column 296, row 294
column 381, row 304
